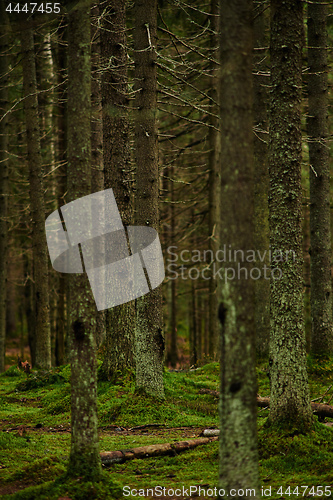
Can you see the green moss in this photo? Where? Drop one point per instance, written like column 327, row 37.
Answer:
column 287, row 457
column 74, row 489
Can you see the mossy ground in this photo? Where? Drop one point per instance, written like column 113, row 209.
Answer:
column 35, row 436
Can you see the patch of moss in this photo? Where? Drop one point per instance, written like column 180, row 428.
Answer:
column 73, row 489
column 41, row 379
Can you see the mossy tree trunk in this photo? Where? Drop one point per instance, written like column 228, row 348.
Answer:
column 4, row 69
column 119, row 352
column 84, row 456
column 261, row 178
column 149, row 338
column 37, row 208
column 238, row 437
column 320, row 234
column 289, row 383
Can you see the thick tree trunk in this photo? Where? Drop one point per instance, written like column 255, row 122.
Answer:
column 238, row 410
column 149, row 338
column 261, row 179
column 84, row 457
column 320, row 250
column 4, row 69
column 119, row 352
column 290, row 404
column 40, row 255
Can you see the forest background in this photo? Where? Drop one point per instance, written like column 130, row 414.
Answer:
column 130, row 98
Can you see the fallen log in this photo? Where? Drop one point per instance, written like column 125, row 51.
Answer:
column 320, row 409
column 152, row 450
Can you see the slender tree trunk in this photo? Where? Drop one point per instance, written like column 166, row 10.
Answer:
column 29, row 301
column 320, row 234
column 40, row 255
column 84, row 456
column 307, row 271
column 290, row 404
column 172, row 356
column 238, row 410
column 214, row 182
column 97, row 174
column 193, row 323
column 119, row 353
column 261, row 179
column 4, row 69
column 60, row 62
column 149, row 338
column 45, row 80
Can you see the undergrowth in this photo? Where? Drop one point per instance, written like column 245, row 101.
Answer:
column 35, row 437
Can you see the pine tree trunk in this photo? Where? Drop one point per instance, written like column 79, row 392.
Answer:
column 119, row 352
column 289, row 383
column 40, row 255
column 172, row 356
column 214, row 183
column 149, row 338
column 84, row 456
column 261, row 179
column 238, row 410
column 97, row 174
column 320, row 250
column 4, row 69
column 60, row 63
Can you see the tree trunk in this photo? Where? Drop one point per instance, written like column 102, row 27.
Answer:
column 172, row 356
column 84, row 457
column 40, row 255
column 149, row 338
column 238, row 409
column 317, row 126
column 290, row 404
column 119, row 352
column 261, row 180
column 97, row 173
column 60, row 63
column 4, row 69
column 214, row 182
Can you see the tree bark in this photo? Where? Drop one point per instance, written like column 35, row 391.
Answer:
column 119, row 345
column 84, row 456
column 40, row 255
column 149, row 338
column 4, row 79
column 290, row 405
column 238, row 410
column 320, row 234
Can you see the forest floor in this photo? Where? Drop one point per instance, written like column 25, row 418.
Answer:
column 35, row 438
